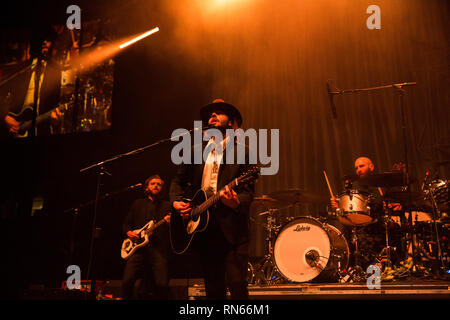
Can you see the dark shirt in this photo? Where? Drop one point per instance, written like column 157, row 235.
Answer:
column 144, row 210
column 375, row 200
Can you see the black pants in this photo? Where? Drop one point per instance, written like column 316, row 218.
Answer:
column 223, row 266
column 146, row 275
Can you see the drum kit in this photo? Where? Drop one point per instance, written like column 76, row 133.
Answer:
column 327, row 248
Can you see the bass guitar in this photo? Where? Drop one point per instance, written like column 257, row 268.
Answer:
column 183, row 229
column 129, row 246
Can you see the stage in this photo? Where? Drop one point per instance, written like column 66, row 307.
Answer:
column 400, row 290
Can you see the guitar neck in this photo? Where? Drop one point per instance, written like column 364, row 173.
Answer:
column 212, row 200
column 39, row 119
column 156, row 225
column 159, row 223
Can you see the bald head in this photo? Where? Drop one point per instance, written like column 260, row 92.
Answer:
column 363, row 167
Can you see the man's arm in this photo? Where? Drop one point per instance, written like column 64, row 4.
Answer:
column 178, row 188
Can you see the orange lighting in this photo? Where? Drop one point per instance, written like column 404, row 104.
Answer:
column 103, row 52
column 142, row 36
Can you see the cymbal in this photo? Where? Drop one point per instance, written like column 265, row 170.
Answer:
column 268, row 202
column 385, row 179
column 295, row 196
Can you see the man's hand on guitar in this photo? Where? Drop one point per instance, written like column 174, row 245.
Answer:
column 12, row 124
column 132, row 235
column 55, row 116
column 183, row 208
column 167, row 218
column 229, row 198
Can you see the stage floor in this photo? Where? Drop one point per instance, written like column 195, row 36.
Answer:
column 390, row 290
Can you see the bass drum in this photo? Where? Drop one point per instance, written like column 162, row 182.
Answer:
column 306, row 249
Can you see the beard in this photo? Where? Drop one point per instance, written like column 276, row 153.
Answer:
column 153, row 193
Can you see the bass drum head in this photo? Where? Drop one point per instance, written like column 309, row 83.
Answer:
column 340, row 255
column 296, row 240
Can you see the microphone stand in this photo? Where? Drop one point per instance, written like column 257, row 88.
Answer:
column 77, row 209
column 406, row 181
column 100, row 166
column 395, row 85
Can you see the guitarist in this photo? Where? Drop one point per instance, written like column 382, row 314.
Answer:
column 149, row 264
column 20, row 92
column 223, row 247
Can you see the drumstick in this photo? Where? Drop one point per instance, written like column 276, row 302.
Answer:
column 328, row 183
column 381, row 192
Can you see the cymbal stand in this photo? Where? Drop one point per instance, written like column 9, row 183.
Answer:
column 387, row 249
column 265, row 270
column 436, row 213
column 358, row 275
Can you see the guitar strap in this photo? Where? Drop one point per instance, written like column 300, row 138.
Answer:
column 29, row 98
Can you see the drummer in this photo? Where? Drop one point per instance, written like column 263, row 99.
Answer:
column 364, row 167
column 372, row 237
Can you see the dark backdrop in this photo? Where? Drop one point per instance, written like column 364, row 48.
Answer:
column 269, row 58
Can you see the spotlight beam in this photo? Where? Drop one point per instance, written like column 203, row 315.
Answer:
column 142, row 36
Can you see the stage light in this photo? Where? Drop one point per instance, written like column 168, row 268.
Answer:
column 105, row 51
column 142, row 36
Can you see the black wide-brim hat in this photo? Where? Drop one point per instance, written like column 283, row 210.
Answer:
column 219, row 105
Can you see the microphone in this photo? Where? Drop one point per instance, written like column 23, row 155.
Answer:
column 330, row 96
column 312, row 257
column 201, row 128
column 137, row 185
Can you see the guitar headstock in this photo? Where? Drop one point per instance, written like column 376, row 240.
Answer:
column 249, row 176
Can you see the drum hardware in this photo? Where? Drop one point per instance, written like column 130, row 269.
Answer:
column 265, row 272
column 437, row 213
column 250, row 273
column 297, row 196
column 411, row 202
column 387, row 250
column 438, row 194
column 357, row 273
column 266, row 201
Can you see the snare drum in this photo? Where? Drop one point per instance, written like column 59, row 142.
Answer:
column 354, row 208
column 306, row 249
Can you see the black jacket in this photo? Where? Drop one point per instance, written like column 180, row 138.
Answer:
column 234, row 223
